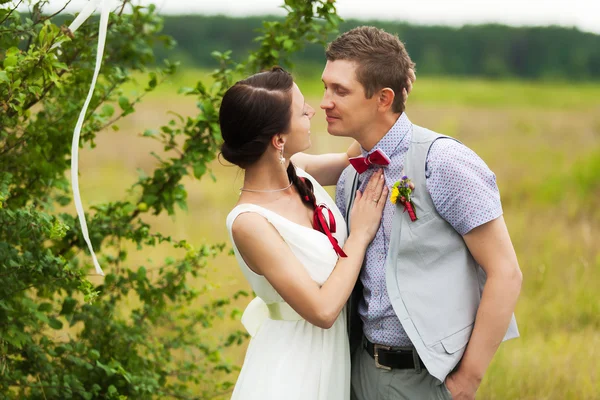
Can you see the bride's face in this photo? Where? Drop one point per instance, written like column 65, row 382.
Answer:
column 298, row 138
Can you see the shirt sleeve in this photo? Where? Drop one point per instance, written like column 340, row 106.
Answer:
column 461, row 185
column 340, row 198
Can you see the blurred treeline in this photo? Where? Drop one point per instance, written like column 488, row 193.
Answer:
column 490, row 51
column 493, row 51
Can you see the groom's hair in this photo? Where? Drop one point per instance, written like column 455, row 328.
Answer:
column 381, row 58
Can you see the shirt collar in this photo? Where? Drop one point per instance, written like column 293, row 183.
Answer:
column 390, row 143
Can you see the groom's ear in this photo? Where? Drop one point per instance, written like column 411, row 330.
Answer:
column 385, row 99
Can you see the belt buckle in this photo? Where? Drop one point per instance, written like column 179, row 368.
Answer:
column 376, row 348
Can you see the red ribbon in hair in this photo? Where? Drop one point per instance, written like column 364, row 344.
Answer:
column 320, row 223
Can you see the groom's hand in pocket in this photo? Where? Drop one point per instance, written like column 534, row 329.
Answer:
column 461, row 387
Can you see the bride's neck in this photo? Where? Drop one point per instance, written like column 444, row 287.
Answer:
column 264, row 175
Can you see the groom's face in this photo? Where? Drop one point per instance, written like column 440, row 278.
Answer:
column 349, row 113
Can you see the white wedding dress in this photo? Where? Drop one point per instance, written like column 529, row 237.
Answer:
column 289, row 358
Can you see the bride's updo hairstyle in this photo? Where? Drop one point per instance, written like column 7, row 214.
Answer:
column 252, row 112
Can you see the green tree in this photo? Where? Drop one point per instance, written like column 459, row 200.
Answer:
column 473, row 50
column 157, row 348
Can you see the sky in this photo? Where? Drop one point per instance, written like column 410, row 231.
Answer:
column 584, row 14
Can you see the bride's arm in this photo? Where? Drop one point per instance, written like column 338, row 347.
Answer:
column 326, row 168
column 269, row 255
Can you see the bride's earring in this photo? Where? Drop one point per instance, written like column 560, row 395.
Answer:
column 281, row 157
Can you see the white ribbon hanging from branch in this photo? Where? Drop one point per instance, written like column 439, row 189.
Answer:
column 81, row 18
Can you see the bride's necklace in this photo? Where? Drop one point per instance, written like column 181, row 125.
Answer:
column 267, row 191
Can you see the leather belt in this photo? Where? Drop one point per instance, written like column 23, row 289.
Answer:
column 388, row 358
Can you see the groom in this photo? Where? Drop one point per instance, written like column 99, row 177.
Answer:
column 436, row 295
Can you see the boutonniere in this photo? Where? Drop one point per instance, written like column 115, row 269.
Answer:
column 401, row 192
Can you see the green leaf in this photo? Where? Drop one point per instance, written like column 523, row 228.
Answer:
column 68, row 306
column 60, row 350
column 153, row 80
column 35, row 90
column 42, row 35
column 16, row 338
column 207, row 107
column 150, row 199
column 186, row 90
column 108, row 110
column 201, row 88
column 109, row 371
column 240, row 293
column 150, row 133
column 45, row 307
column 13, row 51
column 199, row 170
column 10, row 61
column 94, row 354
column 42, row 317
column 288, row 44
column 60, row 65
column 55, row 324
column 3, row 76
column 124, row 104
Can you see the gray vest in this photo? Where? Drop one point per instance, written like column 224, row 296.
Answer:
column 433, row 282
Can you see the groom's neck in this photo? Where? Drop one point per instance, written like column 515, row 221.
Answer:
column 376, row 130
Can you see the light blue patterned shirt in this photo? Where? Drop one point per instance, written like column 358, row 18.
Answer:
column 464, row 193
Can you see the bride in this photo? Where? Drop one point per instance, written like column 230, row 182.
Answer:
column 291, row 243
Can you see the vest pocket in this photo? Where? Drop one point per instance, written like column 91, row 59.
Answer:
column 421, row 219
column 435, row 239
column 458, row 340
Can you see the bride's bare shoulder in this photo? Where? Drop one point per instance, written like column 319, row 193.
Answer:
column 247, row 224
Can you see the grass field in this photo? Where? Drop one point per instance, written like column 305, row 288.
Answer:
column 543, row 143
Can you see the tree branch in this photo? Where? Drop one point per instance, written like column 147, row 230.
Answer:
column 134, row 102
column 10, row 12
column 42, row 387
column 123, row 7
column 11, row 113
column 29, row 287
column 56, row 13
column 20, row 140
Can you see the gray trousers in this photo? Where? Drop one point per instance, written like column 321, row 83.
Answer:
column 372, row 383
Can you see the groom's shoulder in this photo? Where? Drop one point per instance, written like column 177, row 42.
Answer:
column 449, row 154
column 437, row 142
column 424, row 135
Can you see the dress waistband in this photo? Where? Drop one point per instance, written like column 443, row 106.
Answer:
column 283, row 312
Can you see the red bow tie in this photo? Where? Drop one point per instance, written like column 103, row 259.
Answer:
column 361, row 164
